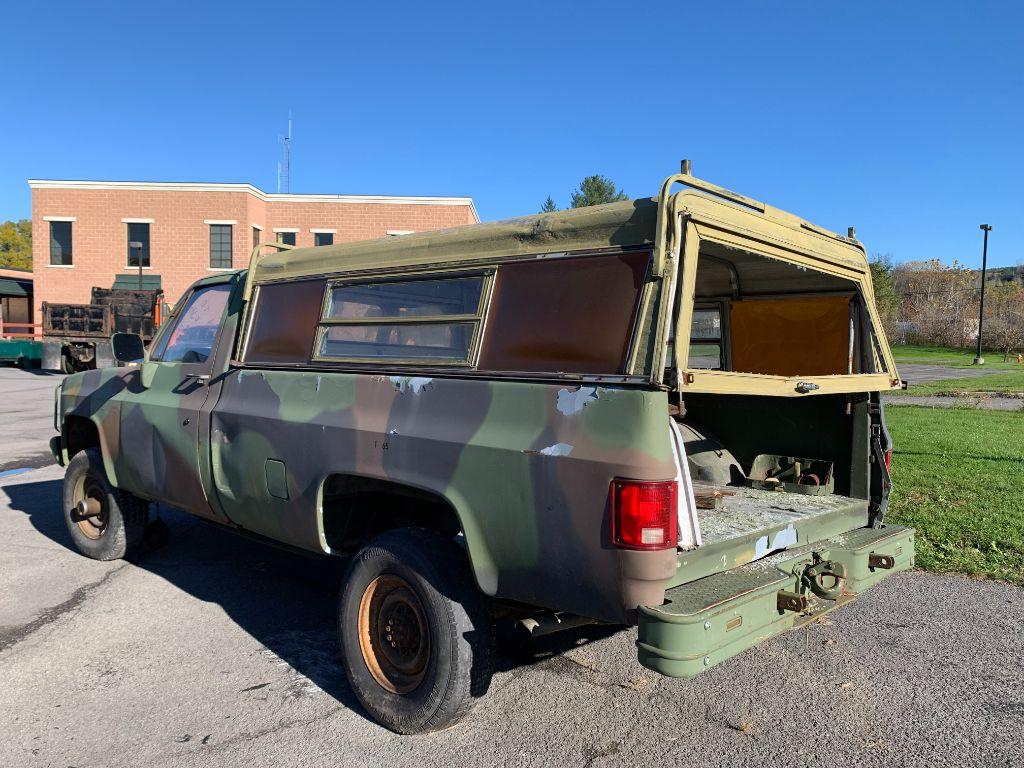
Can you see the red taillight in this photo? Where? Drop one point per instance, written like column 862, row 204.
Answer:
column 888, row 460
column 644, row 514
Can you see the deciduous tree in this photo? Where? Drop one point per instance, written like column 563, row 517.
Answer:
column 16, row 244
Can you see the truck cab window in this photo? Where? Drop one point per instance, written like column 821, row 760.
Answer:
column 706, row 338
column 192, row 337
column 432, row 320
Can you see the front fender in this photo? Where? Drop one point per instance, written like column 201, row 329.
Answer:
column 92, row 397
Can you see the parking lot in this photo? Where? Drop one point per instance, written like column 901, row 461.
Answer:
column 215, row 650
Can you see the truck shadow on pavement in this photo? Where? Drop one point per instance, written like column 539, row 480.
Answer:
column 285, row 600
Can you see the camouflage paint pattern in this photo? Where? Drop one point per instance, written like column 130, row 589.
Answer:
column 526, row 466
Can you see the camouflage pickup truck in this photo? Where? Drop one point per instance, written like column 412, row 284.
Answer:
column 662, row 412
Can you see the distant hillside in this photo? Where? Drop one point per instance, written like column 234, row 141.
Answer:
column 1007, row 274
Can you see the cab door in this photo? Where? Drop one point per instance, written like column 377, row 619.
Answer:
column 160, row 418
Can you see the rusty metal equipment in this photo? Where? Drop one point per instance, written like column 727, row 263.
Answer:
column 793, row 474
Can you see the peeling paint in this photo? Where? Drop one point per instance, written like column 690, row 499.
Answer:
column 782, row 539
column 558, row 449
column 572, row 401
column 415, row 384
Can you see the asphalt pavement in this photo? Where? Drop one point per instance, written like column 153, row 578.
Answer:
column 26, row 417
column 215, row 650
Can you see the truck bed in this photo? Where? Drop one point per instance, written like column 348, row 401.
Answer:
column 751, row 524
column 747, row 509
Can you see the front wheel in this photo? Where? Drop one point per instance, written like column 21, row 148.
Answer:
column 105, row 522
column 416, row 635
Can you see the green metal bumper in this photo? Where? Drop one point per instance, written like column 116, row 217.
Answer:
column 710, row 620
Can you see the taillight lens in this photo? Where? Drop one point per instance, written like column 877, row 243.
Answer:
column 644, row 514
column 888, row 460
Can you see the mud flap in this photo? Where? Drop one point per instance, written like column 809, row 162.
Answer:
column 712, row 619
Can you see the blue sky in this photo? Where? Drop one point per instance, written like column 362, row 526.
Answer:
column 903, row 119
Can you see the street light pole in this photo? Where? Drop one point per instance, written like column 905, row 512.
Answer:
column 986, row 228
column 136, row 246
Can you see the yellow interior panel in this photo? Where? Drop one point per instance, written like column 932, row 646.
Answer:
column 791, row 336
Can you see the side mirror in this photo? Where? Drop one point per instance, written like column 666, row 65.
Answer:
column 127, row 348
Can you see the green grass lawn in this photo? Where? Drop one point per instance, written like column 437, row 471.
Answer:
column 958, row 358
column 958, row 478
column 1005, row 377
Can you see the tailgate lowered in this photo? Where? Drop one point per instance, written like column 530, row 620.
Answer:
column 709, row 620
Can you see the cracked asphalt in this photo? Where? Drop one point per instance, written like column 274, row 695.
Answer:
column 215, row 650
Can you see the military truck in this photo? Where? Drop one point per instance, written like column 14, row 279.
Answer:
column 662, row 412
column 76, row 337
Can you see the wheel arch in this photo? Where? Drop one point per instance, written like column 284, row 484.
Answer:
column 80, row 432
column 392, row 504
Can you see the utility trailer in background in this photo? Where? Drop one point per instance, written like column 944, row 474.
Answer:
column 76, row 337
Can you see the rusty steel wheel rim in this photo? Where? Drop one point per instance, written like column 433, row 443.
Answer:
column 394, row 637
column 89, row 490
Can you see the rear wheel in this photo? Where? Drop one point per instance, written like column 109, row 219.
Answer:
column 105, row 523
column 416, row 634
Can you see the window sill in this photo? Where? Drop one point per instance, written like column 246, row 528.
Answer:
column 220, row 269
column 137, row 269
column 61, row 266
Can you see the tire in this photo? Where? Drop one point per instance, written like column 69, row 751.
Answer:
column 118, row 525
column 423, row 581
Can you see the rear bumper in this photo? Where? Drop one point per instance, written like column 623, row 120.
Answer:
column 710, row 620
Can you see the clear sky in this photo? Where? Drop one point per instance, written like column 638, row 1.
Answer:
column 905, row 119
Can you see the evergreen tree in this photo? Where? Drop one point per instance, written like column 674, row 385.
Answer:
column 595, row 190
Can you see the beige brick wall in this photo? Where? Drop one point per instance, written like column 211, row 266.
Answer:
column 179, row 238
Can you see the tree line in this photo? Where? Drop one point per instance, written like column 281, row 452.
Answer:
column 593, row 190
column 928, row 302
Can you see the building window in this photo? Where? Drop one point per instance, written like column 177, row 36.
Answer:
column 323, row 238
column 255, row 236
column 288, row 238
column 60, row 243
column 138, row 233
column 220, row 246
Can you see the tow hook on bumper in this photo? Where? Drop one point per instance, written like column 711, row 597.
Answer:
column 823, row 578
column 711, row 619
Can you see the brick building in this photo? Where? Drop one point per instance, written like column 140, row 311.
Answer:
column 81, row 230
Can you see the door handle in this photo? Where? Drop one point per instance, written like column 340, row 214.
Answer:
column 202, row 378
